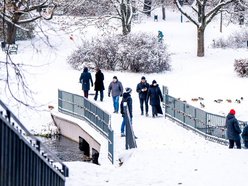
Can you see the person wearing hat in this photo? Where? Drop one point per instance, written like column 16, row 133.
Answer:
column 85, row 79
column 155, row 96
column 116, row 89
column 142, row 89
column 128, row 99
column 233, row 130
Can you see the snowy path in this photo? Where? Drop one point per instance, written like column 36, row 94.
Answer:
column 167, row 154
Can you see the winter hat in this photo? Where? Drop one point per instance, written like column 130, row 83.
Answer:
column 143, row 77
column 232, row 111
column 128, row 90
column 154, row 81
column 114, row 77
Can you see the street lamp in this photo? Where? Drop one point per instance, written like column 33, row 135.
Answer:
column 181, row 4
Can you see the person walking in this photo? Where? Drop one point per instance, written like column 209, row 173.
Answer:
column 99, row 85
column 233, row 130
column 245, row 135
column 116, row 89
column 160, row 36
column 142, row 89
column 155, row 95
column 85, row 79
column 128, row 99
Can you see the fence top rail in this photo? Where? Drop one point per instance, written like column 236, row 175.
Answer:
column 207, row 113
column 109, row 116
column 30, row 137
column 87, row 100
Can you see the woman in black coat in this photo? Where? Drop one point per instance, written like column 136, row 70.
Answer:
column 85, row 79
column 99, row 85
column 155, row 95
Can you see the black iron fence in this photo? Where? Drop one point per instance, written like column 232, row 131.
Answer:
column 82, row 108
column 211, row 125
column 24, row 160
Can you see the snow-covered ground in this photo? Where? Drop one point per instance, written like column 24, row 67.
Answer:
column 167, row 154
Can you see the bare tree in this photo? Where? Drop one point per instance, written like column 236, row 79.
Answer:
column 17, row 15
column 201, row 13
column 147, row 7
column 13, row 77
column 19, row 12
column 124, row 9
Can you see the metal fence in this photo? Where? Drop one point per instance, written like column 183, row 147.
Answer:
column 24, row 160
column 82, row 108
column 212, row 125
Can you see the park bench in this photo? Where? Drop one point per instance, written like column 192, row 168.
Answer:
column 9, row 48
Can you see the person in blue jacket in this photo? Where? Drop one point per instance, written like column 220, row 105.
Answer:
column 233, row 130
column 160, row 36
column 245, row 135
column 85, row 79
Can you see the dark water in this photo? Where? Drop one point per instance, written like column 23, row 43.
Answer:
column 64, row 148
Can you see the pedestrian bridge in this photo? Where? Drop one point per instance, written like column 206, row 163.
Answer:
column 75, row 132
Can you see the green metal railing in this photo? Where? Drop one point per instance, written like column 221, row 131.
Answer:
column 80, row 107
column 208, row 124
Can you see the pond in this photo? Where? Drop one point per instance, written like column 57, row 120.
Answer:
column 64, row 148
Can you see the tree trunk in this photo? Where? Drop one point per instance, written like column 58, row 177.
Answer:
column 163, row 12
column 11, row 30
column 125, row 15
column 200, row 42
column 126, row 28
column 147, row 7
column 11, row 34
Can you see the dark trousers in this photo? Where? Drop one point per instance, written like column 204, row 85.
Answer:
column 142, row 101
column 154, row 111
column 237, row 142
column 101, row 94
column 246, row 144
column 86, row 93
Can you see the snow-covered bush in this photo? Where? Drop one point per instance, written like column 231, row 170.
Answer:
column 134, row 52
column 241, row 67
column 236, row 40
column 98, row 52
column 146, row 54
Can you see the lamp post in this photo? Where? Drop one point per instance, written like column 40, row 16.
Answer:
column 181, row 4
column 221, row 21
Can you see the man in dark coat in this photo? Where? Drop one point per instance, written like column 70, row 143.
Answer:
column 142, row 89
column 155, row 95
column 99, row 86
column 128, row 99
column 85, row 80
column 233, row 130
column 245, row 136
